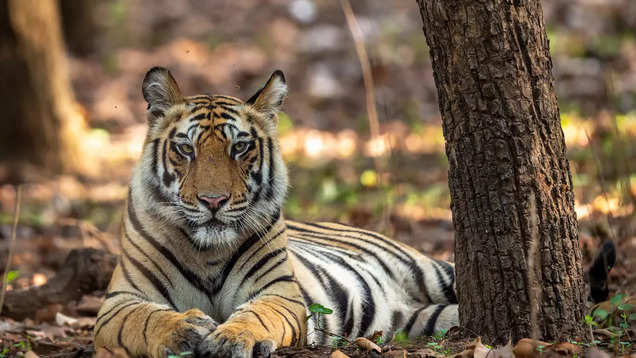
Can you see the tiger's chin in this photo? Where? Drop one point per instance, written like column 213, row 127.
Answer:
column 217, row 236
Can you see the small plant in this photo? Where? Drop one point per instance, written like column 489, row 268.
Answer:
column 436, row 343
column 400, row 337
column 339, row 342
column 317, row 310
column 182, row 354
column 12, row 275
column 4, row 353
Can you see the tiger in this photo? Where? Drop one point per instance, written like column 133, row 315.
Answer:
column 210, row 267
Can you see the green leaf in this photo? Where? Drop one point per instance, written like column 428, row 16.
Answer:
column 601, row 314
column 12, row 275
column 617, row 299
column 625, row 307
column 318, row 308
column 632, row 317
column 400, row 337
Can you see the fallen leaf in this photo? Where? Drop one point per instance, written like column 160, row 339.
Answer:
column 529, row 348
column 31, row 354
column 425, row 353
column 367, row 345
column 338, row 354
column 84, row 322
column 502, row 352
column 63, row 320
column 395, row 353
column 596, row 353
column 566, row 349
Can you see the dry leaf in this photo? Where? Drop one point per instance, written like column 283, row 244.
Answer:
column 566, row 349
column 596, row 353
column 84, row 322
column 31, row 354
column 397, row 353
column 527, row 348
column 367, row 345
column 424, row 353
column 502, row 352
column 61, row 320
column 480, row 350
column 338, row 354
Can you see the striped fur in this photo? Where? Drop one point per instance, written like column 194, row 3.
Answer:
column 234, row 279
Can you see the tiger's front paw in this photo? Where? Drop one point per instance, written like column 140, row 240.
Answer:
column 181, row 333
column 236, row 342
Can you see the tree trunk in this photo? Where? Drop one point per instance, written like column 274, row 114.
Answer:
column 42, row 123
column 517, row 251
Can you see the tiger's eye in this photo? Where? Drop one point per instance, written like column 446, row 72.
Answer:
column 186, row 148
column 239, row 147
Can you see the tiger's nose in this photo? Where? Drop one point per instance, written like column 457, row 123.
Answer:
column 213, row 201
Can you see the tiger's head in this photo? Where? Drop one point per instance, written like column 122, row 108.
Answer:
column 211, row 164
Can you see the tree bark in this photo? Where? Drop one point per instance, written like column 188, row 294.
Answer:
column 42, row 123
column 517, row 252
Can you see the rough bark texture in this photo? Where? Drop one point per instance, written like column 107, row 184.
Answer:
column 509, row 179
column 85, row 271
column 42, row 122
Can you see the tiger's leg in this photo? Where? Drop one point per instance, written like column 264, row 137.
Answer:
column 129, row 320
column 257, row 328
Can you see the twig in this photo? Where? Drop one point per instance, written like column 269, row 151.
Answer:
column 367, row 76
column 372, row 111
column 14, row 229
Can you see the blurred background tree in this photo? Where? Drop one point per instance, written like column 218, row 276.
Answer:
column 43, row 124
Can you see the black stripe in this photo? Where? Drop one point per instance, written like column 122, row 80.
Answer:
column 224, row 106
column 432, row 319
column 286, row 278
column 269, row 194
column 190, row 276
column 128, row 278
column 198, row 117
column 447, row 289
column 118, row 304
column 260, row 248
column 113, row 316
column 167, row 177
column 285, row 298
column 245, row 246
column 368, row 309
column 294, row 338
column 332, row 286
column 155, row 154
column 145, row 334
column 154, row 263
column 227, row 116
column 275, row 265
column 348, row 326
column 259, row 319
column 117, row 293
column 159, row 286
column 121, row 328
column 317, row 235
column 411, row 321
column 259, row 265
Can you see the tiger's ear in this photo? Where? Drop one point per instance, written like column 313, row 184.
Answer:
column 160, row 90
column 270, row 98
